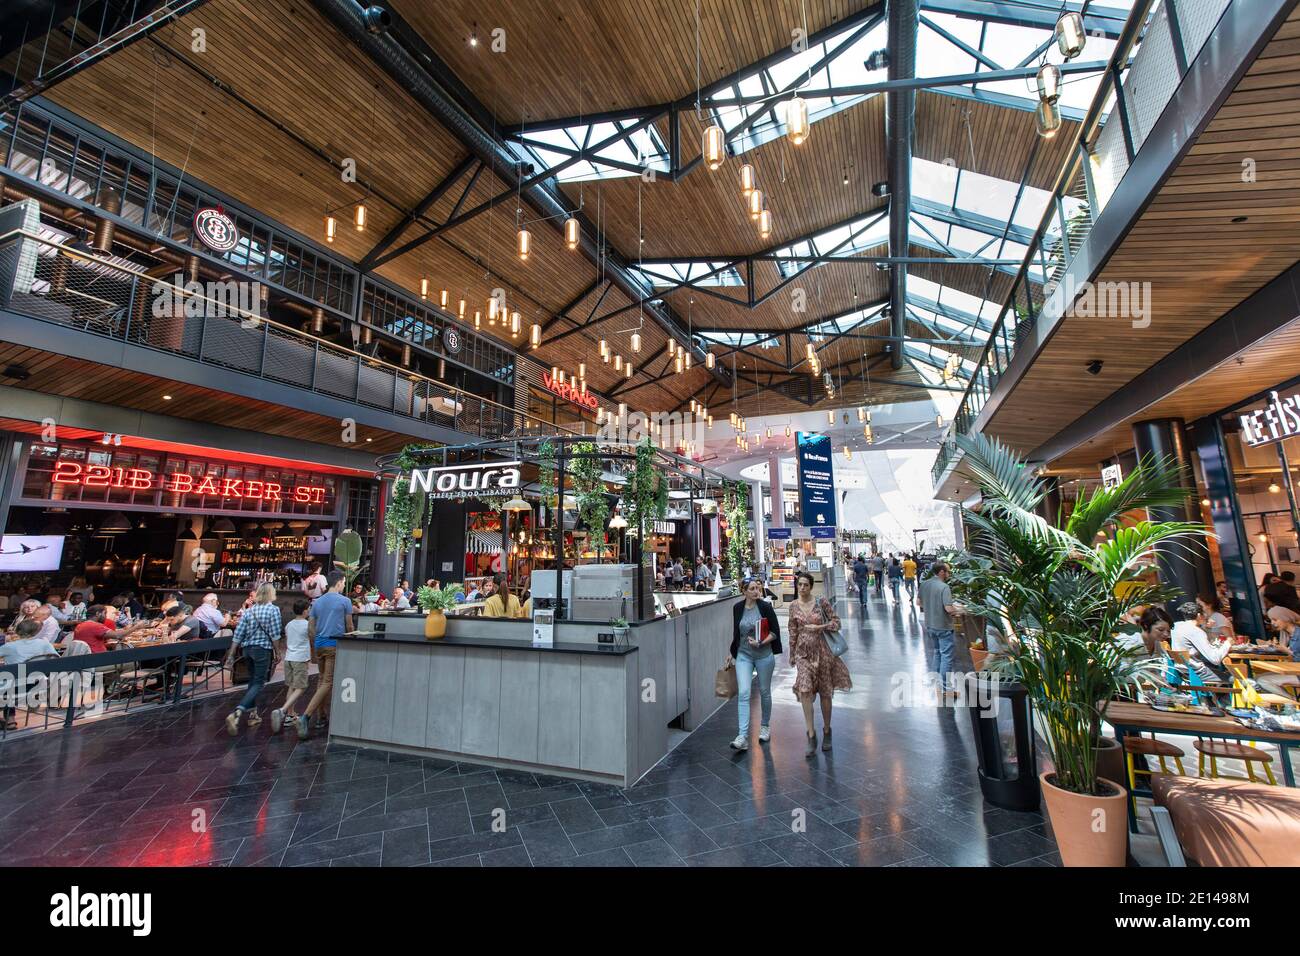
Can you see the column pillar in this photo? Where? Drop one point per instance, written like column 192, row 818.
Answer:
column 1186, row 571
column 778, row 491
column 384, row 568
column 1050, row 507
column 760, row 530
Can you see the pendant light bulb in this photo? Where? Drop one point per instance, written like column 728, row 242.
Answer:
column 514, row 323
column 444, row 298
column 331, row 228
column 571, row 232
column 424, row 288
column 796, row 120
column 636, row 341
column 830, row 418
column 709, row 360
column 755, row 204
column 1070, row 35
column 746, row 180
column 765, row 223
column 535, row 336
column 525, row 244
column 714, row 147
column 1049, row 82
column 361, row 217
column 1047, row 118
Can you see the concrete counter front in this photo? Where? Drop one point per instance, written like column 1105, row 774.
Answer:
column 485, row 694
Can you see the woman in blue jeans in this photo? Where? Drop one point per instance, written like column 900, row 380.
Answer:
column 755, row 642
column 259, row 628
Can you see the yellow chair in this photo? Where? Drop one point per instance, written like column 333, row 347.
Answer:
column 1248, row 755
column 1149, row 747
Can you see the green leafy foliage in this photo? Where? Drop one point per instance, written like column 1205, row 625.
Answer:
column 735, row 505
column 645, row 497
column 437, row 599
column 1056, row 593
column 585, row 465
column 405, row 510
column 348, row 548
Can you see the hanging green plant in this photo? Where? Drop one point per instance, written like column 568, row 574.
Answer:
column 645, row 497
column 735, row 506
column 589, row 487
column 405, row 510
column 546, row 473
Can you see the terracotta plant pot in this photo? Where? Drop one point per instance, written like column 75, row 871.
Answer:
column 1110, row 760
column 978, row 656
column 1089, row 830
column 435, row 625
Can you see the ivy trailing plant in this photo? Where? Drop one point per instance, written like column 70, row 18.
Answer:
column 645, row 497
column 546, row 473
column 735, row 506
column 406, row 509
column 589, row 487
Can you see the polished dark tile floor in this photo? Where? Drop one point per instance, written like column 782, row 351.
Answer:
column 171, row 788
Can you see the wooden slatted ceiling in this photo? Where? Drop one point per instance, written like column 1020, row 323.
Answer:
column 565, row 57
column 1276, row 359
column 1199, row 263
column 57, row 374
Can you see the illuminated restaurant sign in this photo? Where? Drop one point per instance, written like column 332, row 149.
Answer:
column 215, row 229
column 183, row 483
column 485, row 479
column 571, row 392
column 1276, row 421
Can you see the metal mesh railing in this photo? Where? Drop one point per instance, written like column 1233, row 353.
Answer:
column 218, row 324
column 1108, row 141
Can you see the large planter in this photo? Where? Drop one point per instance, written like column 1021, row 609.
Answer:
column 1110, row 760
column 1090, row 830
column 978, row 656
column 435, row 625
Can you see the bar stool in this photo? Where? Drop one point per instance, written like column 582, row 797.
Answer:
column 1249, row 755
column 1149, row 747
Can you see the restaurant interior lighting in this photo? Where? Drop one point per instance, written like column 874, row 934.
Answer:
column 460, row 309
column 360, row 219
column 618, row 522
column 746, row 180
column 787, row 431
column 714, row 146
column 627, row 370
column 709, row 360
column 1263, row 538
column 535, row 336
column 187, row 533
column 636, row 341
column 677, row 365
column 571, row 232
column 478, row 319
column 755, row 204
column 604, row 348
column 406, row 354
column 444, row 298
column 582, row 370
column 765, row 223
column 1047, row 117
column 1274, row 488
column 514, row 323
column 516, row 504
column 331, row 228
column 618, row 363
column 525, row 243
column 830, row 417
column 796, row 120
column 1205, row 502
column 1049, row 82
column 222, row 528
column 1070, row 35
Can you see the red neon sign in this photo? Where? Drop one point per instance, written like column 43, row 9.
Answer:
column 183, row 483
column 572, row 393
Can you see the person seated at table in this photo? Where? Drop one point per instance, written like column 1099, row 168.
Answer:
column 1155, row 626
column 95, row 632
column 1217, row 624
column 170, row 600
column 74, row 608
column 477, row 594
column 1205, row 655
column 49, row 626
column 55, row 604
column 26, row 611
column 131, row 604
column 25, row 644
column 501, row 603
column 1282, row 592
column 183, row 625
column 399, row 601
column 210, row 613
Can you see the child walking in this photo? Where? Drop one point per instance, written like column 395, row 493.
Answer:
column 297, row 658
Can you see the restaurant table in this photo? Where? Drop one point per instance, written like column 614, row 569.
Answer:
column 1249, row 659
column 1128, row 718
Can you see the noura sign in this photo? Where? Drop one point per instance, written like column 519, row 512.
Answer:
column 459, row 481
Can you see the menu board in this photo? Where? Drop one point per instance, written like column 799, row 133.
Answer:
column 813, row 455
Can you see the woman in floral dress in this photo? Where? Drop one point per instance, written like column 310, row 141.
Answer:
column 819, row 673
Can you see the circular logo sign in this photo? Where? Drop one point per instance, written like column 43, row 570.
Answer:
column 451, row 339
column 215, row 229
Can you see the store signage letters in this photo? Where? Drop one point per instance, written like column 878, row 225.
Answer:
column 183, row 483
column 571, row 392
column 1111, row 476
column 1276, row 421
column 456, row 481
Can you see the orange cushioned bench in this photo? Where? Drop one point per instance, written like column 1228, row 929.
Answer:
column 1227, row 823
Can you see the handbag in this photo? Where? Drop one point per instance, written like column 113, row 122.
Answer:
column 834, row 639
column 725, row 683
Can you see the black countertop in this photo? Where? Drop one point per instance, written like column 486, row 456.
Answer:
column 560, row 647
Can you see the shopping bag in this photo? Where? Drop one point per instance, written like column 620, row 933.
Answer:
column 725, row 683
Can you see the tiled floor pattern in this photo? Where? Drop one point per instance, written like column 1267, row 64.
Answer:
column 171, row 788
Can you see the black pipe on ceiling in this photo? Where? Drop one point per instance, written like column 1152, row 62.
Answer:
column 900, row 115
column 401, row 53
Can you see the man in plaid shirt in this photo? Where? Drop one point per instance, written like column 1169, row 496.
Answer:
column 258, row 629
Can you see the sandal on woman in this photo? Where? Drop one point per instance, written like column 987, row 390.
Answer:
column 812, row 745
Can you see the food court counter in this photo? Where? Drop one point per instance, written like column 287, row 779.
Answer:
column 484, row 694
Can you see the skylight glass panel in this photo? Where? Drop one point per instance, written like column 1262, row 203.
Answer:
column 671, row 273
column 642, row 148
column 856, row 237
column 936, row 182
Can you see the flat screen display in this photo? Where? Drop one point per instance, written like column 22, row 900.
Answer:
column 31, row 552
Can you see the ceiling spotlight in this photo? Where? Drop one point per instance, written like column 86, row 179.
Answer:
column 1094, row 367
column 880, row 189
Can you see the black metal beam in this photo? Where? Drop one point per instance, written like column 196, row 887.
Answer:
column 422, row 207
column 900, row 110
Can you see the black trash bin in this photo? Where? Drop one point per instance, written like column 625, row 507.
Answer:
column 1004, row 741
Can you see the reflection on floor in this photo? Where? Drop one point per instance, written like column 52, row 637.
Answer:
column 899, row 789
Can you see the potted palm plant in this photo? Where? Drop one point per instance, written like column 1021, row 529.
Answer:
column 435, row 602
column 1051, row 590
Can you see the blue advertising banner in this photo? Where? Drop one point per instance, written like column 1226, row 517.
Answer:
column 813, row 454
column 823, row 532
column 779, row 534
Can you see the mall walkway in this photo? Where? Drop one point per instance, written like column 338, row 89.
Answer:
column 899, row 789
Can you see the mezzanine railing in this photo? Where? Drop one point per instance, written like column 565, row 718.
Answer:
column 220, row 327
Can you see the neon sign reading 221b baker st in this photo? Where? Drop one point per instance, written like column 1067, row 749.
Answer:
column 183, row 483
column 1278, row 420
